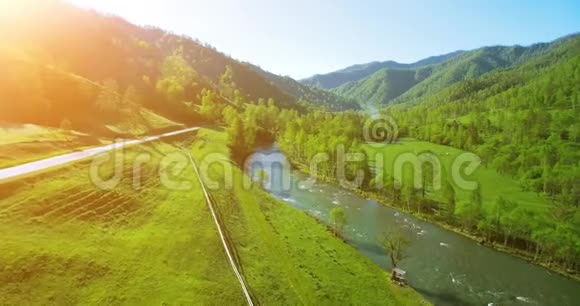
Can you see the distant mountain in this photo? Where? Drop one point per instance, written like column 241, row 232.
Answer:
column 544, row 75
column 313, row 95
column 380, row 88
column 470, row 65
column 357, row 72
column 396, row 85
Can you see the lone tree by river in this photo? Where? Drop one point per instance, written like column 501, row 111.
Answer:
column 394, row 243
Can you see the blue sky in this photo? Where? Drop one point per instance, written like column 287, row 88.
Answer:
column 301, row 37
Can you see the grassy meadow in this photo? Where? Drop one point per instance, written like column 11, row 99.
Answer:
column 492, row 183
column 67, row 242
column 21, row 143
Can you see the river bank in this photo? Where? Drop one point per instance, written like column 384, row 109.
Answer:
column 444, row 266
column 522, row 254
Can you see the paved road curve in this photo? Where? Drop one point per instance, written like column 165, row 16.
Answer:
column 60, row 160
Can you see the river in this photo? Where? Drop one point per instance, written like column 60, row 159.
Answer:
column 445, row 267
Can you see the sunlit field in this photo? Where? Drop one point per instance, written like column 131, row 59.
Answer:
column 158, row 240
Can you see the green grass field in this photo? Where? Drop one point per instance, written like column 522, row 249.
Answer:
column 67, row 242
column 27, row 142
column 492, row 183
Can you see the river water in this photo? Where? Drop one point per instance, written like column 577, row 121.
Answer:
column 446, row 268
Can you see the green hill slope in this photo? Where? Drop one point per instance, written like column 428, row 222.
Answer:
column 313, row 95
column 48, row 96
column 471, row 65
column 64, row 59
column 379, row 88
column 358, row 72
column 410, row 85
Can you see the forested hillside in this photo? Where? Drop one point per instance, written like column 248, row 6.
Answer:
column 361, row 71
column 101, row 73
column 426, row 78
column 522, row 122
column 308, row 94
column 471, row 65
column 517, row 119
column 380, row 88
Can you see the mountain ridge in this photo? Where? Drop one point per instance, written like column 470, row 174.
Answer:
column 383, row 86
column 359, row 71
column 306, row 93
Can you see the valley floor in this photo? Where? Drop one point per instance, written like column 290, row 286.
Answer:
column 65, row 241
